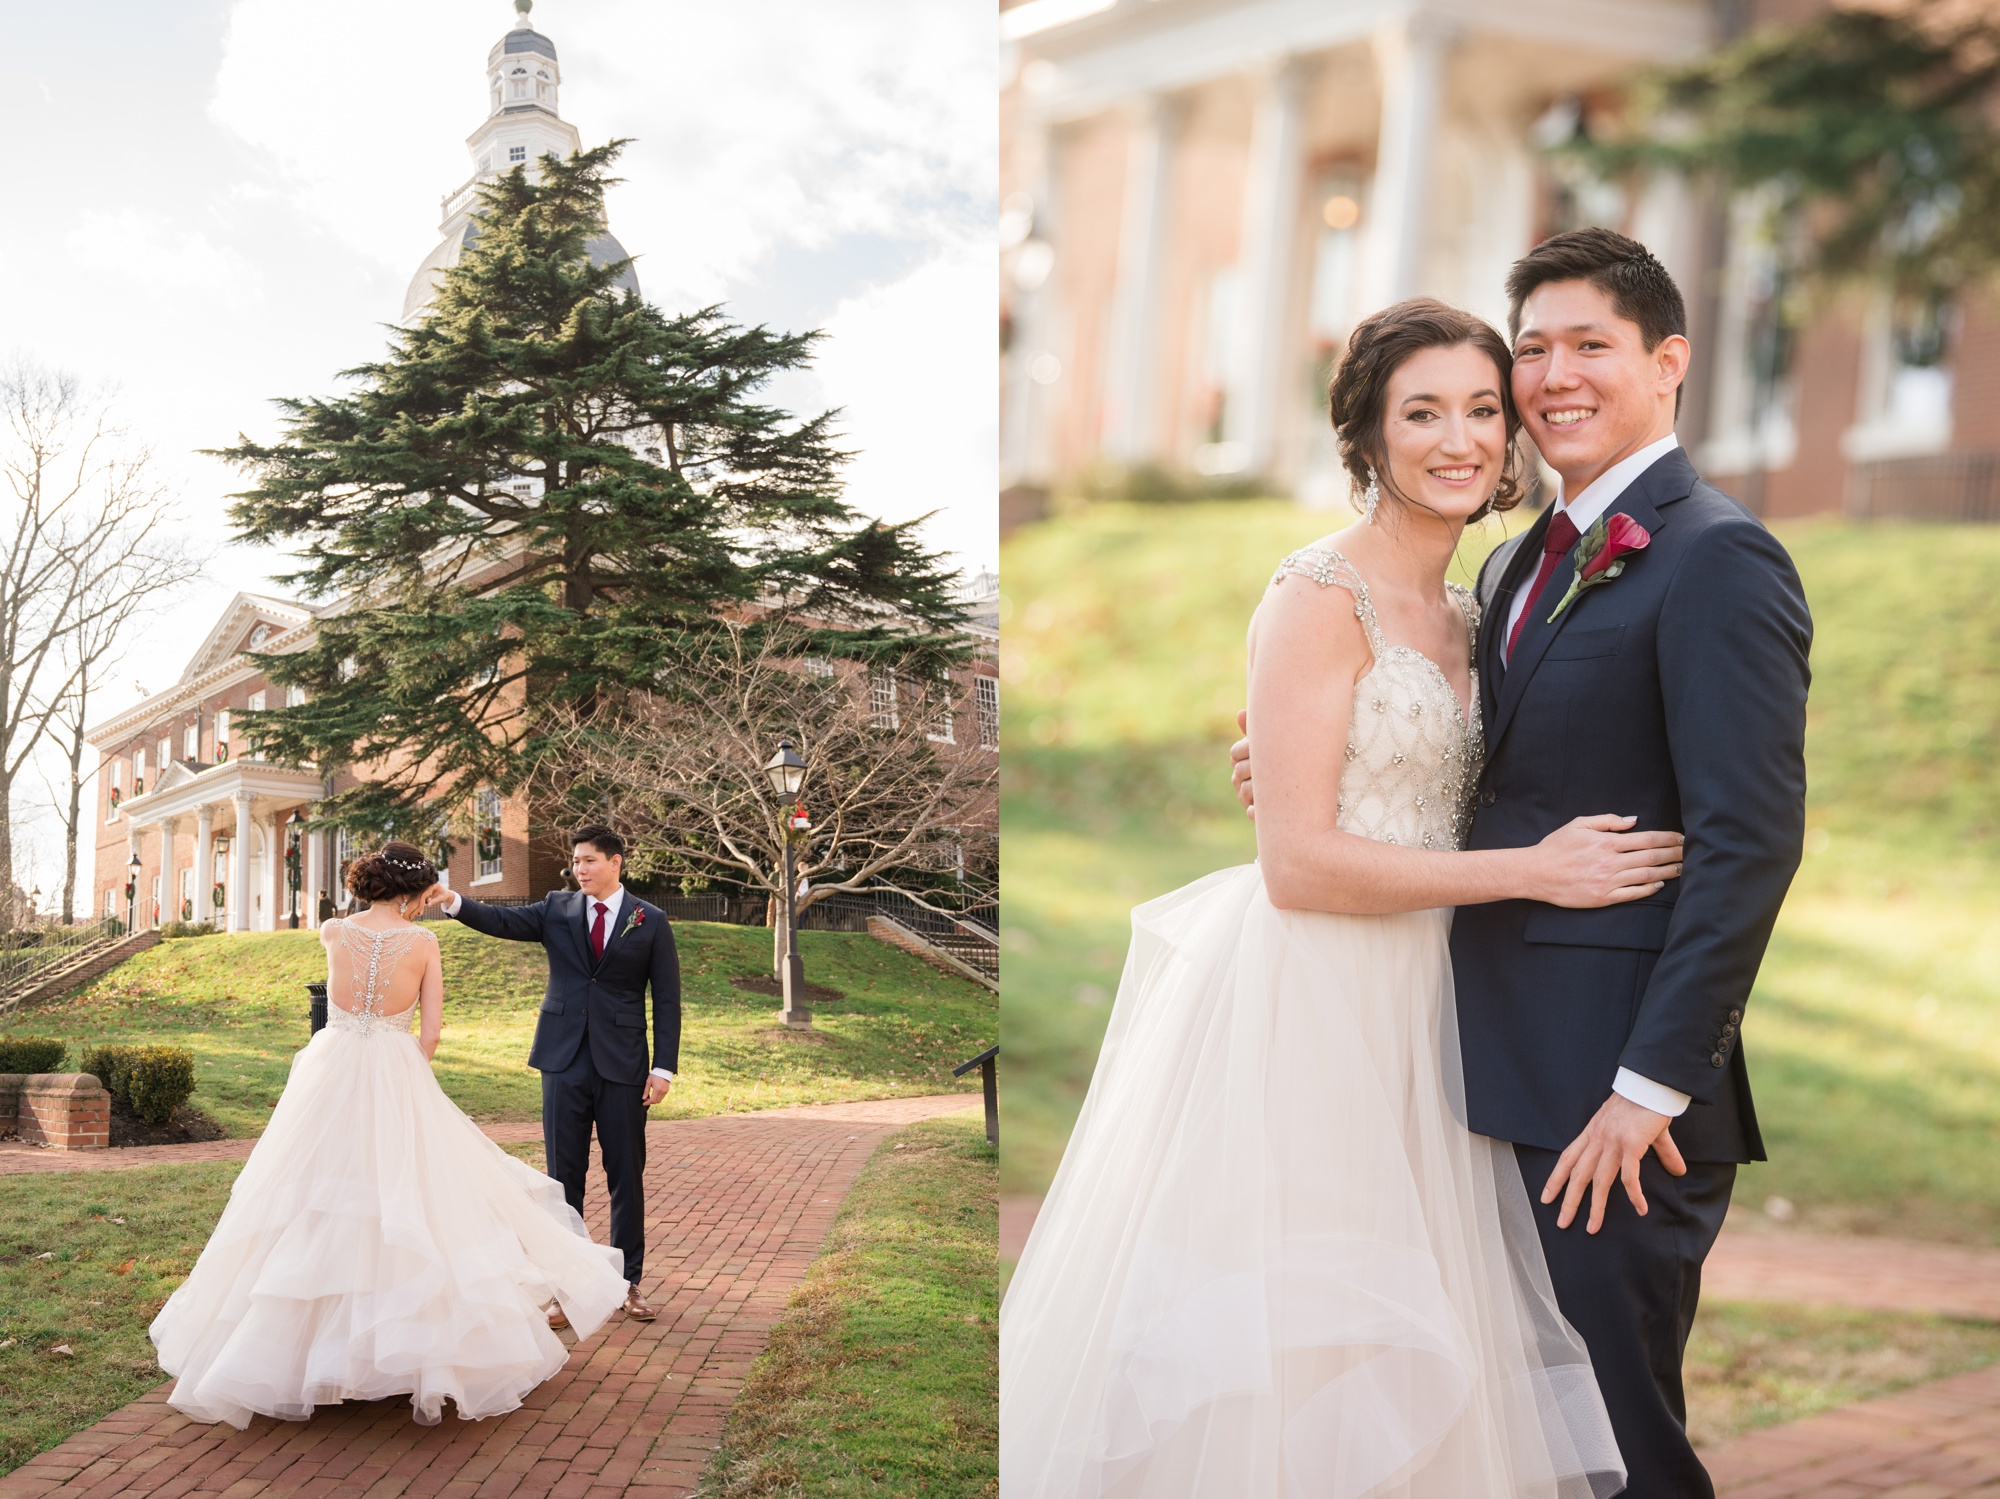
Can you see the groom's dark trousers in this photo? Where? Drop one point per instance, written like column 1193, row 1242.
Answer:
column 590, row 1043
column 1674, row 693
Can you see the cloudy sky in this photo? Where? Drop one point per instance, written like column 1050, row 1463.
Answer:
column 215, row 202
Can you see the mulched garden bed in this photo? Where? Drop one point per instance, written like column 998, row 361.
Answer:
column 187, row 1125
column 763, row 983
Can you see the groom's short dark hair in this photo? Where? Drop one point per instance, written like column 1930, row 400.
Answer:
column 601, row 838
column 1639, row 287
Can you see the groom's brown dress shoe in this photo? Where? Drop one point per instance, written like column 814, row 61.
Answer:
column 635, row 1308
column 557, row 1321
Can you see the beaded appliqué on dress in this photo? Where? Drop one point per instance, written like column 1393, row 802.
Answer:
column 1412, row 756
column 373, row 956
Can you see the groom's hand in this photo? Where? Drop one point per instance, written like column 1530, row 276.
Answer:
column 1239, row 764
column 1610, row 1149
column 656, row 1089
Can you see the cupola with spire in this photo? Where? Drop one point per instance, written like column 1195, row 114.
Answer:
column 521, row 126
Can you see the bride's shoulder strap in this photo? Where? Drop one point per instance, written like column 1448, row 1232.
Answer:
column 1330, row 569
column 1468, row 605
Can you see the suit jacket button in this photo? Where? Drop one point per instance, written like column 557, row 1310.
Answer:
column 1488, row 797
column 1717, row 1060
column 1735, row 1017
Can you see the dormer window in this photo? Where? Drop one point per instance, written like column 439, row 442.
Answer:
column 517, row 153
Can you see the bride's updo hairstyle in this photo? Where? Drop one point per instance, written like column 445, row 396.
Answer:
column 1359, row 398
column 398, row 870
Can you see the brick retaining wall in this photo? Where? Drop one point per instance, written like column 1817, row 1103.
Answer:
column 62, row 1110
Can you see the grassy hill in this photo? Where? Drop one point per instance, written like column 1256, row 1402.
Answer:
column 1874, row 1034
column 241, row 1004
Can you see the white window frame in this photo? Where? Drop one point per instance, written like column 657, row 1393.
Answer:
column 166, row 759
column 256, row 702
column 486, row 804
column 221, row 735
column 882, row 698
column 110, row 902
column 295, row 696
column 117, row 787
column 817, row 666
column 987, row 692
column 944, row 722
column 191, row 742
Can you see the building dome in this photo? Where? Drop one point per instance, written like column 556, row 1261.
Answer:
column 523, row 125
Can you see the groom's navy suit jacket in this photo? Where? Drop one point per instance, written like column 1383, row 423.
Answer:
column 1675, row 693
column 603, row 1002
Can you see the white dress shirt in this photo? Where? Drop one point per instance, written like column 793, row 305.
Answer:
column 613, row 904
column 1584, row 512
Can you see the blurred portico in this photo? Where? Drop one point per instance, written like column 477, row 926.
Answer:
column 1202, row 197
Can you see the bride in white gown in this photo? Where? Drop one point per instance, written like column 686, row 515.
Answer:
column 1274, row 1264
column 376, row 1242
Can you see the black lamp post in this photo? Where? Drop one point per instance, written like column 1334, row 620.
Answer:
column 294, row 858
column 132, row 894
column 787, row 774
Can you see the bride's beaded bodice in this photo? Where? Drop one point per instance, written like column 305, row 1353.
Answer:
column 1413, row 755
column 372, row 957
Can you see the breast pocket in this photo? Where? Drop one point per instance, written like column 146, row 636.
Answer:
column 1582, row 645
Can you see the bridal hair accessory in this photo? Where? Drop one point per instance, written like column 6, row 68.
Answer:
column 1602, row 553
column 1370, row 498
column 395, row 863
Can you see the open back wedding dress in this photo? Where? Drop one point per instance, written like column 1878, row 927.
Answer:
column 376, row 1242
column 1274, row 1264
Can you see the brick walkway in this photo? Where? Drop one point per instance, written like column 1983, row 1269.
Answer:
column 737, row 1208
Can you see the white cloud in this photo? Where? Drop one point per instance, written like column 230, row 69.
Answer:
column 139, row 249
column 913, row 367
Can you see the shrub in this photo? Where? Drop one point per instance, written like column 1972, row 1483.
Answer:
column 30, row 1054
column 152, row 1080
column 107, row 1065
column 159, row 1080
column 189, row 929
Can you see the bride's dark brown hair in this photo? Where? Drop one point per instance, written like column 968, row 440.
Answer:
column 397, row 870
column 1380, row 345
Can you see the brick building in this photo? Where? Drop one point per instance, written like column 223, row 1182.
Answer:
column 1201, row 197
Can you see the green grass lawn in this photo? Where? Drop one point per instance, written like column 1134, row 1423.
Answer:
column 240, row 1003
column 1874, row 1034
column 71, row 1276
column 882, row 1376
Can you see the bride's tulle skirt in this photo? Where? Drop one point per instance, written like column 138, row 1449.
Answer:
column 1274, row 1264
column 376, row 1244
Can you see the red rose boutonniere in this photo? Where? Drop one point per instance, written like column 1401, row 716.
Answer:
column 633, row 922
column 1601, row 556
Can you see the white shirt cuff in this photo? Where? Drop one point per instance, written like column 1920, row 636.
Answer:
column 450, row 907
column 662, row 1072
column 1648, row 1094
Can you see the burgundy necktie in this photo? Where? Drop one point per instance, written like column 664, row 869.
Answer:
column 1558, row 539
column 597, row 932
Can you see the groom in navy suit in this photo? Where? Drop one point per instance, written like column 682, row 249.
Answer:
column 1604, row 1043
column 605, row 948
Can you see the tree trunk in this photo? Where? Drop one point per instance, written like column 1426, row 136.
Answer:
column 74, row 826
column 6, row 851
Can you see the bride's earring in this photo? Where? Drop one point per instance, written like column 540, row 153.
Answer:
column 1370, row 498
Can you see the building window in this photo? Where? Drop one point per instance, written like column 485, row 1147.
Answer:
column 191, row 741
column 517, row 153
column 486, row 843
column 156, row 900
column 294, row 696
column 256, row 703
column 988, row 690
column 882, row 698
column 818, row 666
column 110, row 902
column 138, row 772
column 117, row 790
column 221, row 735
column 520, row 88
column 944, row 722
column 166, row 759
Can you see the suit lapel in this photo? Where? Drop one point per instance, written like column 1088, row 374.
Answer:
column 579, row 929
column 1668, row 480
column 1493, row 621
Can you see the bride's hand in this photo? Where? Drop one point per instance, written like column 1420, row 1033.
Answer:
column 1597, row 861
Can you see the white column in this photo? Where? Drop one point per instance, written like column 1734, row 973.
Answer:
column 1270, row 225
column 1410, row 56
column 315, row 852
column 1030, row 268
column 239, row 875
column 1132, row 386
column 170, row 900
column 274, row 871
column 204, row 863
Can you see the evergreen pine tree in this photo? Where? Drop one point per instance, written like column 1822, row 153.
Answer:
column 545, row 494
